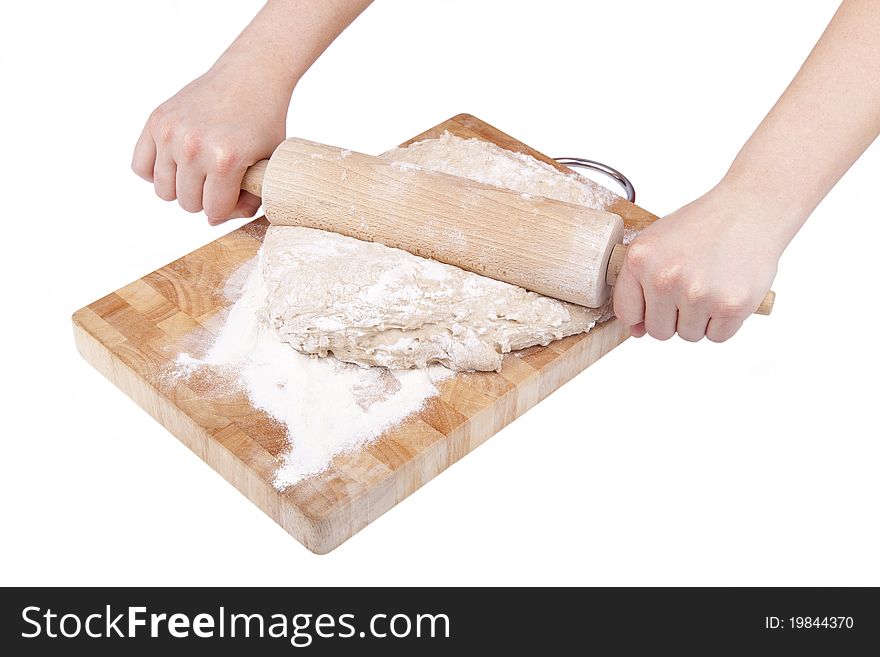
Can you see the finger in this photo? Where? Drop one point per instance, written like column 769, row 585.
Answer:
column 247, row 205
column 165, row 177
column 222, row 195
column 190, row 183
column 692, row 323
column 720, row 329
column 143, row 161
column 661, row 316
column 629, row 298
column 638, row 330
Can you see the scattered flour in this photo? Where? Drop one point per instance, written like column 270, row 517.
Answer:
column 328, row 407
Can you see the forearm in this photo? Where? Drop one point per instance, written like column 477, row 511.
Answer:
column 286, row 37
column 822, row 123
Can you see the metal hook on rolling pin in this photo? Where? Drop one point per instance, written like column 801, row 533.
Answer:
column 604, row 169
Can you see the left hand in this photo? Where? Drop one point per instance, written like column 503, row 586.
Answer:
column 198, row 144
column 700, row 271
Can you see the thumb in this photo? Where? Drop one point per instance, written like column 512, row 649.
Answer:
column 629, row 300
column 247, row 205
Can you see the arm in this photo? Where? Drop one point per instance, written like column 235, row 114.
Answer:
column 197, row 145
column 703, row 269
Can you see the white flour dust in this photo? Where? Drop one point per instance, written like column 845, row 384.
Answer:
column 492, row 165
column 328, row 407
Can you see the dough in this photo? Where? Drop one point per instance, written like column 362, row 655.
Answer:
column 372, row 305
column 492, row 165
column 368, row 304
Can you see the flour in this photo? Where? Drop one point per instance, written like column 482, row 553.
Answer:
column 328, row 407
column 492, row 165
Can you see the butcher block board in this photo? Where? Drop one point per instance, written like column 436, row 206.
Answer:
column 133, row 335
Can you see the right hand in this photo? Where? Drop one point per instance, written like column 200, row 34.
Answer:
column 197, row 145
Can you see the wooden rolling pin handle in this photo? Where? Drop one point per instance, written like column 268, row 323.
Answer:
column 618, row 254
column 253, row 178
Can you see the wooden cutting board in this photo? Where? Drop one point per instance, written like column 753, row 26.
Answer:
column 134, row 334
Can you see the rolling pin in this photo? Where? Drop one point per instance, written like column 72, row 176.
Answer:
column 558, row 249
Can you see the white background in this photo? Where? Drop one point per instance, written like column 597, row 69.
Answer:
column 752, row 462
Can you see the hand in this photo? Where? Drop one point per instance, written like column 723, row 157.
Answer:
column 700, row 271
column 197, row 145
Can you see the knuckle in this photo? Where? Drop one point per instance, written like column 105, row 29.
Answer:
column 166, row 131
column 637, row 255
column 224, row 160
column 191, row 146
column 696, row 293
column 668, row 278
column 162, row 125
column 731, row 305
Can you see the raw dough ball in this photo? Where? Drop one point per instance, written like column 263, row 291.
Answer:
column 372, row 305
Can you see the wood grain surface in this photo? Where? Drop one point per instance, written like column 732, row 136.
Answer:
column 134, row 334
column 557, row 249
